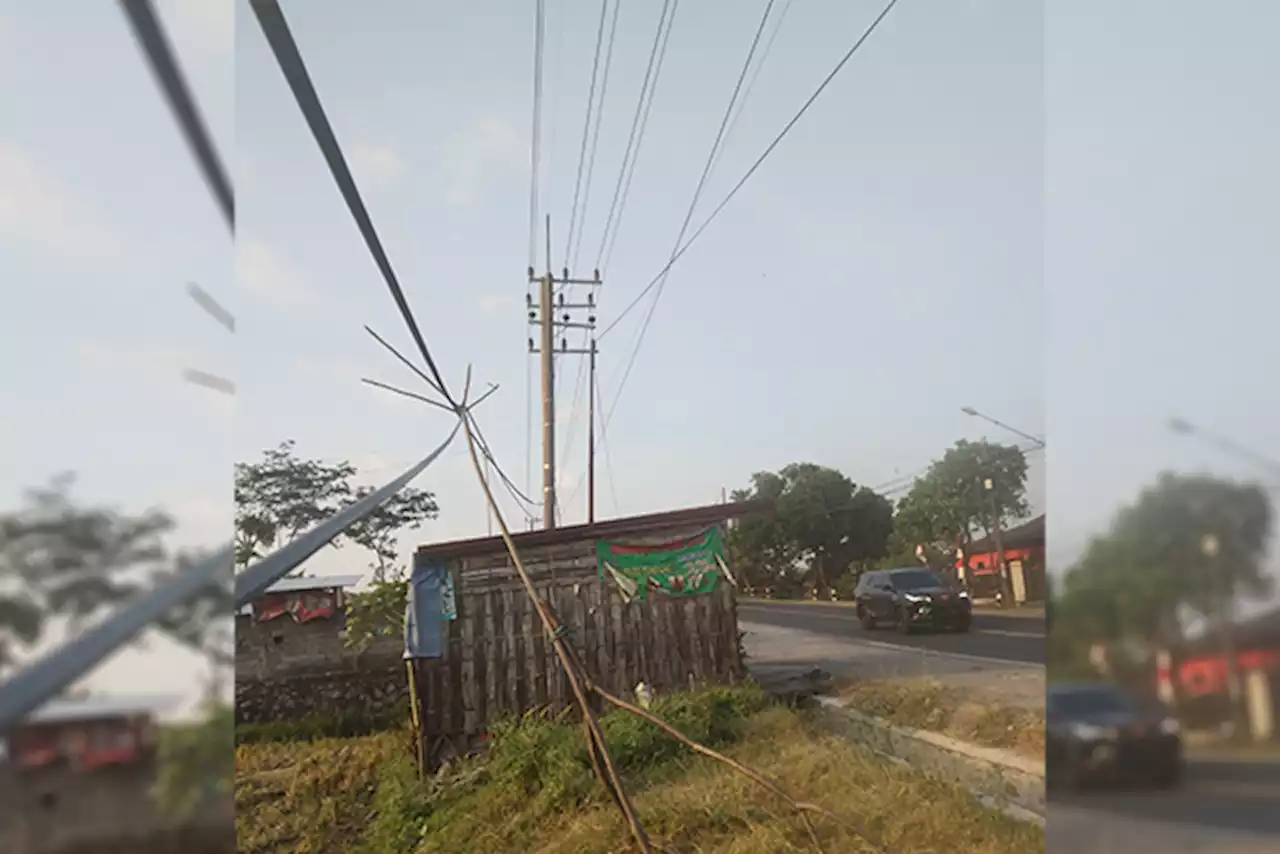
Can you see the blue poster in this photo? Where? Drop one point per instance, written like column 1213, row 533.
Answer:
column 430, row 603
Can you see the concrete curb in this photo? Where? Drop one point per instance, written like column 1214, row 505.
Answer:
column 1008, row 780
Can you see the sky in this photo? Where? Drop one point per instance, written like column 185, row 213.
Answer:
column 1054, row 217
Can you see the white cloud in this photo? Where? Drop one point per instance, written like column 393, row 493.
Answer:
column 268, row 275
column 377, row 165
column 39, row 212
column 481, row 155
column 495, row 302
column 205, row 25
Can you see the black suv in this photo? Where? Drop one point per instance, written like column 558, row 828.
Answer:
column 911, row 597
column 1097, row 733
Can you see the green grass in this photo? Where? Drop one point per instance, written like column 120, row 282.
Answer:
column 534, row 793
column 928, row 705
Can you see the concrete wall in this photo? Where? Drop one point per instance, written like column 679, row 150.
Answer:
column 287, row 670
column 57, row 810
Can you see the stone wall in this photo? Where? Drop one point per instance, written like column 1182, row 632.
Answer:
column 288, row 671
column 375, row 692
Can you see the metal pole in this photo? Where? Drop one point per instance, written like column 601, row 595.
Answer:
column 547, row 354
column 591, row 435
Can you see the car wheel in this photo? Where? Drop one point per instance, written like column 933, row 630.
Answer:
column 904, row 623
column 964, row 626
column 868, row 621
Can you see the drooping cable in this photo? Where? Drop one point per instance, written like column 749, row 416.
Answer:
column 612, row 239
column 697, row 194
column 754, row 168
column 635, row 127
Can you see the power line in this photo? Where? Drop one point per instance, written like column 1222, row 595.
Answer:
column 595, row 134
column 754, row 167
column 608, row 457
column 697, row 194
column 644, row 125
column 535, row 144
column 635, row 126
column 586, row 133
column 751, row 84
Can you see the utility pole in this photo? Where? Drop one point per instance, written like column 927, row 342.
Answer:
column 544, row 315
column 591, row 435
column 1006, row 587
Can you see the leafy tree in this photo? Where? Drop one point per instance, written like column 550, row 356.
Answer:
column 406, row 510
column 950, row 504
column 822, row 519
column 377, row 611
column 1134, row 584
column 62, row 559
column 759, row 547
column 283, row 495
column 197, row 762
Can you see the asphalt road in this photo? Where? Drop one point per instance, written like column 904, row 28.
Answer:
column 1221, row 807
column 996, row 636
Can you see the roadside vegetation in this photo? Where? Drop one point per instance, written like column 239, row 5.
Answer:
column 927, row 705
column 534, row 791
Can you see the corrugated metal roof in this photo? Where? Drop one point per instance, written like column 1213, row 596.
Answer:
column 95, row 708
column 314, row 582
column 626, row 526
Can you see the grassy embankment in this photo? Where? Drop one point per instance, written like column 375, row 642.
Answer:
column 534, row 792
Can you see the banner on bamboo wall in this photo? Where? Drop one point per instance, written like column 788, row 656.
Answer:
column 430, row 602
column 687, row 567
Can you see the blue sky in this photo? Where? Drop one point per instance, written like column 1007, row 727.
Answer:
column 1056, row 219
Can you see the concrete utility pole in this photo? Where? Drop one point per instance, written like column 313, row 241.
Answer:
column 544, row 316
column 591, row 436
column 1006, row 584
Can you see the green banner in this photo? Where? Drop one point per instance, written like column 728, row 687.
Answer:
column 683, row 568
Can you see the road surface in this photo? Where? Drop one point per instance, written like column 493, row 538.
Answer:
column 1223, row 808
column 995, row 636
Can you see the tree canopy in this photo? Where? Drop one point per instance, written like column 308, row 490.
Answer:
column 1189, row 544
column 282, row 495
column 949, row 505
column 823, row 523
column 64, row 559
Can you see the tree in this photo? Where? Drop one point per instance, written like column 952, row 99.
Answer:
column 950, row 504
column 1134, row 583
column 283, row 495
column 760, row 549
column 62, row 559
column 822, row 519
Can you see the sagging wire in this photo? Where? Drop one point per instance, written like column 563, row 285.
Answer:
column 270, row 17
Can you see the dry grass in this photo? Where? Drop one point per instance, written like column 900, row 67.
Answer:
column 928, row 705
column 361, row 796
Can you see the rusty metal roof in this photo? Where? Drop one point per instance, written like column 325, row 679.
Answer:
column 1027, row 535
column 625, row 526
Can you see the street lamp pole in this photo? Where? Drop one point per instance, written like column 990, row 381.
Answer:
column 969, row 410
column 1226, row 444
column 1210, row 547
column 1006, row 588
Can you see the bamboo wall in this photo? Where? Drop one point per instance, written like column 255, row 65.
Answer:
column 497, row 660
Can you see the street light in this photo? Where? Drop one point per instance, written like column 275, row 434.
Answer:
column 969, row 410
column 1183, row 427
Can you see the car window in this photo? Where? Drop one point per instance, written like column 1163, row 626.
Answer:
column 1089, row 701
column 867, row 580
column 914, row 578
